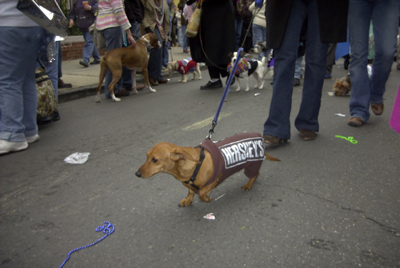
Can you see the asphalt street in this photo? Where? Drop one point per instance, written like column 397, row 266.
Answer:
column 328, row 203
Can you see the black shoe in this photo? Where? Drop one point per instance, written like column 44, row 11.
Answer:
column 296, row 82
column 84, row 63
column 211, row 85
column 95, row 62
column 48, row 119
column 233, row 81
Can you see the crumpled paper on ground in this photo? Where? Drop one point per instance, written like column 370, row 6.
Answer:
column 77, row 158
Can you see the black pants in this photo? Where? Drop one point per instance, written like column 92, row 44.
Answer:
column 218, row 71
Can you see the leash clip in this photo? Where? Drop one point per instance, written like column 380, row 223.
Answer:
column 211, row 131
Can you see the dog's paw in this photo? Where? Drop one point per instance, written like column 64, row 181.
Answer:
column 184, row 81
column 97, row 100
column 152, row 90
column 134, row 92
column 238, row 89
column 185, row 203
column 116, row 99
column 247, row 89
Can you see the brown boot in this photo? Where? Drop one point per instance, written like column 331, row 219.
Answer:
column 377, row 109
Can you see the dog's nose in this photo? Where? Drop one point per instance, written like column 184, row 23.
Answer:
column 138, row 173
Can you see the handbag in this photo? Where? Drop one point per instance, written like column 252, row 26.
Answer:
column 47, row 101
column 98, row 38
column 194, row 23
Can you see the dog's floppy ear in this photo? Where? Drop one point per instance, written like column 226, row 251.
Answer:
column 179, row 154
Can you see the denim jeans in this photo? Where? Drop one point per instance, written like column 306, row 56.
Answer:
column 53, row 69
column 384, row 15
column 238, row 27
column 126, row 73
column 156, row 58
column 184, row 37
column 89, row 48
column 259, row 34
column 113, row 37
column 278, row 122
column 18, row 93
column 298, row 66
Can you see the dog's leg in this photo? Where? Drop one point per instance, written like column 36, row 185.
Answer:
column 203, row 192
column 103, row 72
column 249, row 184
column 194, row 75
column 145, row 74
column 198, row 71
column 134, row 90
column 238, row 82
column 247, row 83
column 184, row 79
column 188, row 200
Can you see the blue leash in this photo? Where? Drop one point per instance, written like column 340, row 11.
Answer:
column 228, row 84
column 107, row 229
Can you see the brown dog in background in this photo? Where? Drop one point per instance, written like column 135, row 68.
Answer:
column 130, row 57
column 202, row 168
column 342, row 86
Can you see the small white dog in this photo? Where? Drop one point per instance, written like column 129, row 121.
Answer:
column 247, row 67
column 184, row 67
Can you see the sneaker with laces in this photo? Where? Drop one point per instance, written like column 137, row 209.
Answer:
column 32, row 139
column 12, row 146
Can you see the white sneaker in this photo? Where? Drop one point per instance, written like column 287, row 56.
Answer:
column 32, row 139
column 12, row 146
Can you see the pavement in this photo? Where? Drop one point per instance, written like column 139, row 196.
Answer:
column 84, row 80
column 329, row 203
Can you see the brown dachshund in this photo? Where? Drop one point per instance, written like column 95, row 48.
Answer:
column 202, row 168
column 132, row 58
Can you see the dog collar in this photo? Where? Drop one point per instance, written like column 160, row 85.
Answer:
column 145, row 39
column 196, row 171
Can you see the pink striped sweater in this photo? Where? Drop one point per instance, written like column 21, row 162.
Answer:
column 111, row 13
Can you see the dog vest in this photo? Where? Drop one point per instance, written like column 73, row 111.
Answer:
column 244, row 65
column 186, row 65
column 230, row 155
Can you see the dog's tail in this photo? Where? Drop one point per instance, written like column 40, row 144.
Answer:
column 270, row 158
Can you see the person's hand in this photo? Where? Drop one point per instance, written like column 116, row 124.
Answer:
column 130, row 39
column 71, row 23
column 87, row 7
column 258, row 3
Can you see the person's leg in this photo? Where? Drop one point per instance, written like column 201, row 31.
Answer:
column 53, row 70
column 239, row 25
column 258, row 36
column 184, row 39
column 92, row 47
column 88, row 47
column 316, row 51
column 298, row 66
column 359, row 18
column 385, row 23
column 135, row 30
column 278, row 122
column 330, row 59
column 113, row 38
column 18, row 93
column 155, row 59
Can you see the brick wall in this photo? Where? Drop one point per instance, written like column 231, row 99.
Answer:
column 72, row 48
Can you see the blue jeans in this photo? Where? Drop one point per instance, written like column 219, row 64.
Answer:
column 184, row 37
column 53, row 69
column 278, row 122
column 384, row 15
column 89, row 48
column 259, row 34
column 156, row 58
column 18, row 93
column 135, row 30
column 113, row 37
column 126, row 73
column 238, row 27
column 297, row 67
